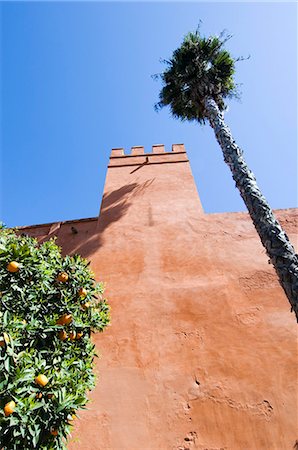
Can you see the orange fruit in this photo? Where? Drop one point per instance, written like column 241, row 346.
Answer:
column 6, row 338
column 63, row 277
column 72, row 335
column 41, row 380
column 85, row 305
column 38, row 395
column 79, row 335
column 54, row 432
column 82, row 292
column 9, row 408
column 13, row 266
column 65, row 319
column 50, row 395
column 62, row 335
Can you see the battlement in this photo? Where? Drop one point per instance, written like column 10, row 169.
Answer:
column 160, row 182
column 138, row 156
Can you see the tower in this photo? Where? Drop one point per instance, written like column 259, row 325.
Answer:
column 200, row 353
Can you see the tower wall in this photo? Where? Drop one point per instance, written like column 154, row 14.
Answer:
column 201, row 350
column 154, row 188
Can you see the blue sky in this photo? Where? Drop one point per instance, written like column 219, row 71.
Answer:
column 76, row 82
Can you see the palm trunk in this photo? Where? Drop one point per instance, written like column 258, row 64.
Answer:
column 278, row 247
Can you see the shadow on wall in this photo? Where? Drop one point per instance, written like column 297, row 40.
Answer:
column 84, row 238
column 114, row 205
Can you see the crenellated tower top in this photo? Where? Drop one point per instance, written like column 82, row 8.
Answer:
column 138, row 156
column 149, row 187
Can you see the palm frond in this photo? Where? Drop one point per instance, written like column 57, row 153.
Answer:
column 198, row 69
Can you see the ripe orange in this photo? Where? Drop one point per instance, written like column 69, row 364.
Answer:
column 82, row 292
column 54, row 432
column 85, row 305
column 63, row 277
column 4, row 340
column 13, row 266
column 62, row 335
column 72, row 335
column 79, row 335
column 41, row 380
column 65, row 319
column 9, row 408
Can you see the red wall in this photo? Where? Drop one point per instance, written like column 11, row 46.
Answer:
column 201, row 350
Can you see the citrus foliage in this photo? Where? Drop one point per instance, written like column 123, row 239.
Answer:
column 49, row 305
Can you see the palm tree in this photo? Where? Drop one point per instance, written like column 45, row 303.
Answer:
column 197, row 80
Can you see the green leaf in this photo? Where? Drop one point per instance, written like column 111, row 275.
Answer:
column 31, row 302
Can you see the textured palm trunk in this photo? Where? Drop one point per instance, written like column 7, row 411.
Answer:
column 278, row 247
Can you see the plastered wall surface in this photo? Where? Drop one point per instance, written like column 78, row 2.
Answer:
column 201, row 352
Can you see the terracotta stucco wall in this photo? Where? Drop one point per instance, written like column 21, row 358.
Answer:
column 201, row 351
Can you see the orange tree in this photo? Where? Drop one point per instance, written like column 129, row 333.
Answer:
column 49, row 305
